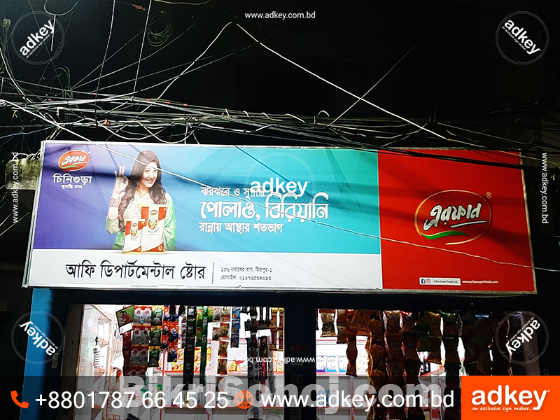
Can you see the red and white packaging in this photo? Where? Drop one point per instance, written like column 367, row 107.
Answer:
column 154, row 228
column 133, row 235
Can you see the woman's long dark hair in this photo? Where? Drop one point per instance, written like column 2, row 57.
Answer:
column 157, row 192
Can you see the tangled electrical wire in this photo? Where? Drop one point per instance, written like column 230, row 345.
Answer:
column 156, row 38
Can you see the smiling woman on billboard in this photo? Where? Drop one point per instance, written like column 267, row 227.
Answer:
column 142, row 188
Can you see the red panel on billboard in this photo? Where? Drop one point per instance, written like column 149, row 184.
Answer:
column 436, row 211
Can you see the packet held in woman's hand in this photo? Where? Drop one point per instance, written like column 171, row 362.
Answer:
column 154, row 228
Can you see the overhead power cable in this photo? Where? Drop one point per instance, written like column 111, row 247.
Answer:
column 312, row 221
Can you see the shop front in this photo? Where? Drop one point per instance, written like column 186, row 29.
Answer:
column 210, row 282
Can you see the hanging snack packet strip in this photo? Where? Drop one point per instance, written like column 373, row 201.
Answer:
column 341, row 326
column 327, row 316
column 500, row 365
column 274, row 328
column 422, row 329
column 252, row 347
column 165, row 328
column 235, row 327
column 451, row 338
column 351, row 352
column 412, row 362
column 486, row 330
column 280, row 344
column 127, row 349
column 188, row 364
column 434, row 319
column 395, row 357
column 204, row 346
column 451, row 331
column 153, row 229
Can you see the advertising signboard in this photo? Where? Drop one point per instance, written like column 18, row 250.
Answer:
column 467, row 222
column 258, row 218
column 121, row 215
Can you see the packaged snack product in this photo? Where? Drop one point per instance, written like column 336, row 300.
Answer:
column 409, row 343
column 327, row 316
column 153, row 229
column 199, row 316
column 274, row 317
column 166, row 313
column 157, row 314
column 172, row 352
column 147, row 316
column 236, row 313
column 375, row 327
column 241, row 366
column 125, row 316
column 361, row 364
column 341, row 336
column 376, row 354
column 332, row 363
column 360, row 321
column 155, row 336
column 281, row 318
column 215, row 333
column 141, row 336
column 434, row 356
column 450, row 324
column 351, row 352
column 435, row 324
column 422, row 329
column 133, row 235
column 484, row 364
column 234, row 342
column 135, row 356
column 408, row 322
column 226, row 313
column 328, row 330
column 280, row 345
column 451, row 350
column 452, row 379
column 138, row 314
column 232, row 366
column 394, row 348
column 392, row 321
column 222, row 367
column 127, row 339
column 223, row 348
column 341, row 317
column 343, row 364
column 143, row 355
column 377, row 378
column 235, row 326
column 154, row 357
column 174, row 333
column 224, row 330
column 217, row 317
column 321, row 365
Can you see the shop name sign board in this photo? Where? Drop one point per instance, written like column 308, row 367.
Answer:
column 119, row 215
